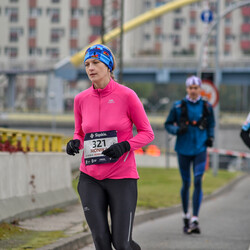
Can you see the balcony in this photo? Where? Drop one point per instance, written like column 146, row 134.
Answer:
column 32, row 3
column 114, row 23
column 115, row 5
column 157, row 47
column 227, row 31
column 32, row 42
column 192, row 30
column 73, row 44
column 73, row 23
column 95, row 2
column 32, row 22
column 158, row 30
column 74, row 4
column 245, row 28
column 245, row 45
column 93, row 38
column 245, row 11
column 95, row 21
column 13, row 37
column 227, row 47
column 54, row 37
column 192, row 47
column 192, row 14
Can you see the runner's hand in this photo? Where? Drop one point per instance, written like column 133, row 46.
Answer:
column 182, row 129
column 72, row 147
column 117, row 150
column 209, row 142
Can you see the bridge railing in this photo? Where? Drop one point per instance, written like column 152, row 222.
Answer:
column 21, row 140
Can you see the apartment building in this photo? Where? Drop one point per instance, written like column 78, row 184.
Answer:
column 53, row 29
column 39, row 33
column 176, row 36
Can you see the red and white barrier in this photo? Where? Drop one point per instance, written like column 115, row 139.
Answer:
column 229, row 152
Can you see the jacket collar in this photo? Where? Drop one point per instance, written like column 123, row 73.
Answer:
column 193, row 101
column 107, row 90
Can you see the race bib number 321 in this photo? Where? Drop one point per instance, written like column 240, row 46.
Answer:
column 95, row 143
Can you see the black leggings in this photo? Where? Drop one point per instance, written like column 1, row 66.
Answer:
column 120, row 195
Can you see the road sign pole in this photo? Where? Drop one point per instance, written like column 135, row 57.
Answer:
column 215, row 160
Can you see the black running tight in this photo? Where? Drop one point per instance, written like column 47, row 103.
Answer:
column 120, row 196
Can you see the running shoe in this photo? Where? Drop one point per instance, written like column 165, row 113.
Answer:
column 194, row 228
column 186, row 225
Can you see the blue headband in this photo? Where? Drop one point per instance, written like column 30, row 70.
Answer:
column 100, row 53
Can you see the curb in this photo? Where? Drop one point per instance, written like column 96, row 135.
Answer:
column 81, row 240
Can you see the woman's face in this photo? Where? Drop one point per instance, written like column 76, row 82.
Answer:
column 96, row 70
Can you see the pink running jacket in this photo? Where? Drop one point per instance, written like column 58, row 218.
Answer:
column 115, row 107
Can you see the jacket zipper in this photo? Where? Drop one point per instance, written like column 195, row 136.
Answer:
column 99, row 111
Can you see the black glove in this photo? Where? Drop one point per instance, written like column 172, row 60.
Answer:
column 245, row 136
column 117, row 150
column 209, row 142
column 203, row 124
column 182, row 129
column 73, row 147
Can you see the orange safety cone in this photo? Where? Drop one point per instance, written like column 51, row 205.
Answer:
column 139, row 151
column 153, row 150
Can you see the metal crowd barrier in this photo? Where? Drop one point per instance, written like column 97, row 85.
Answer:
column 31, row 141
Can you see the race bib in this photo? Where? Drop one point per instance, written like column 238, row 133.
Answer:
column 95, row 143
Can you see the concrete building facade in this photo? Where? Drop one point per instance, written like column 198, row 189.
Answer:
column 39, row 33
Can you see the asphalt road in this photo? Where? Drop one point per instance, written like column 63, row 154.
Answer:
column 224, row 221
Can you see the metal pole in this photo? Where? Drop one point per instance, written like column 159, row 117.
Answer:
column 121, row 43
column 103, row 21
column 11, row 91
column 215, row 160
column 167, row 150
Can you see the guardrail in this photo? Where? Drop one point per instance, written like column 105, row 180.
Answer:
column 31, row 141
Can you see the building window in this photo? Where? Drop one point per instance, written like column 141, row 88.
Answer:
column 76, row 12
column 13, row 36
column 11, row 52
column 55, row 1
column 193, row 21
column 175, row 39
column 74, row 32
column 228, row 3
column 73, row 51
column 147, row 37
column 13, row 1
column 96, row 30
column 95, row 11
column 158, row 21
column 147, row 5
column 52, row 52
column 177, row 23
column 15, row 33
column 54, row 14
column 56, row 34
column 12, row 13
column 35, row 51
column 177, row 11
column 35, row 12
column 32, row 32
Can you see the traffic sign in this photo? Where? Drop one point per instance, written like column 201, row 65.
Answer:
column 207, row 16
column 209, row 92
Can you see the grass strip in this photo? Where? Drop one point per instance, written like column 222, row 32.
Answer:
column 157, row 188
